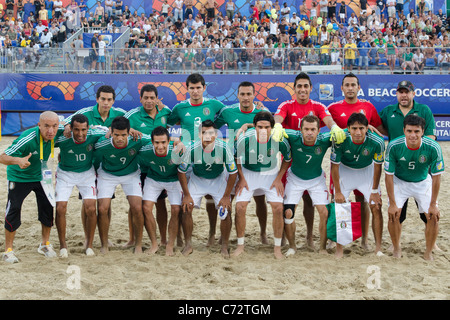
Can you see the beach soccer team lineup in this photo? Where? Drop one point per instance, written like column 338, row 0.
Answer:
column 275, row 159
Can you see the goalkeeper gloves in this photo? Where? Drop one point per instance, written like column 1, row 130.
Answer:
column 337, row 134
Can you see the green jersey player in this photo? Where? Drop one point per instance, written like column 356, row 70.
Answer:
column 238, row 118
column 257, row 158
column 308, row 147
column 76, row 168
column 356, row 165
column 208, row 157
column 409, row 159
column 118, row 164
column 161, row 163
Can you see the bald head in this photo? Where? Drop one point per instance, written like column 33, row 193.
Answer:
column 48, row 125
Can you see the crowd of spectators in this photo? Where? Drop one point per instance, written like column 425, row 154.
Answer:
column 272, row 35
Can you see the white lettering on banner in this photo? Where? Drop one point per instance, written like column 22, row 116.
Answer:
column 427, row 92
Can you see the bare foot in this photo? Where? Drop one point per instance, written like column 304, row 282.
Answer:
column 225, row 253
column 169, row 250
column 277, row 253
column 239, row 250
column 211, row 240
column 264, row 239
column 129, row 244
column 187, row 250
column 152, row 249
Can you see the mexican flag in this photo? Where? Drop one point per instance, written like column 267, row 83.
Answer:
column 344, row 222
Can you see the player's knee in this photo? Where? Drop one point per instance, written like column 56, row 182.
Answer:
column 289, row 213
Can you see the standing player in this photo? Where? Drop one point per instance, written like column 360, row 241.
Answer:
column 393, row 116
column 75, row 168
column 308, row 147
column 151, row 114
column 190, row 114
column 409, row 159
column 118, row 164
column 26, row 160
column 289, row 115
column 342, row 110
column 235, row 117
column 102, row 113
column 257, row 160
column 161, row 174
column 207, row 156
column 356, row 164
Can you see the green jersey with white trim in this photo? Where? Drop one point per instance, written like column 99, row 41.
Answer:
column 307, row 159
column 119, row 162
column 78, row 157
column 358, row 156
column 234, row 117
column 29, row 142
column 208, row 164
column 94, row 116
column 413, row 165
column 141, row 121
column 260, row 157
column 159, row 168
column 191, row 116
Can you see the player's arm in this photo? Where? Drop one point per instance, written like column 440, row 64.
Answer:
column 22, row 162
column 338, row 196
column 433, row 210
column 375, row 197
column 188, row 203
column 277, row 183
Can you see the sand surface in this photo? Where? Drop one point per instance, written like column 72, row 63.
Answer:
column 121, row 274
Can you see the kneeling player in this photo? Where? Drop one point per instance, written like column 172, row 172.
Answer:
column 257, row 158
column 356, row 165
column 119, row 166
column 308, row 147
column 75, row 168
column 207, row 156
column 409, row 158
column 162, row 174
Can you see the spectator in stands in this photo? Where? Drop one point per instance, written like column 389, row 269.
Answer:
column 363, row 50
column 199, row 61
column 419, row 60
column 443, row 60
column 313, row 57
column 324, row 53
column 335, row 50
column 230, row 59
column 349, row 55
column 342, row 12
column 332, row 9
column 391, row 51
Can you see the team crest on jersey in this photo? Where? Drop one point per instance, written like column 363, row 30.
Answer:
column 206, row 111
column 318, row 150
column 422, row 158
column 365, row 152
column 132, row 152
column 439, row 165
column 89, row 148
column 169, row 162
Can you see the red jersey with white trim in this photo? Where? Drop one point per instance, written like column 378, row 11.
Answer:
column 293, row 112
column 341, row 111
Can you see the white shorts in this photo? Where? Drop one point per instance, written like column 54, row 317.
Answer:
column 66, row 181
column 233, row 191
column 107, row 183
column 420, row 191
column 356, row 179
column 259, row 184
column 152, row 191
column 200, row 187
column 295, row 187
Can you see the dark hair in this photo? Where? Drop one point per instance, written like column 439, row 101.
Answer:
column 195, row 78
column 107, row 89
column 80, row 118
column 160, row 131
column 414, row 120
column 311, row 119
column 350, row 75
column 264, row 116
column 207, row 124
column 357, row 117
column 300, row 76
column 149, row 88
column 120, row 123
column 246, row 84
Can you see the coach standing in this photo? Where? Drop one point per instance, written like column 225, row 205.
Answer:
column 26, row 159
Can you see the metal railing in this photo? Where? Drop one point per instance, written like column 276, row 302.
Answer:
column 119, row 59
